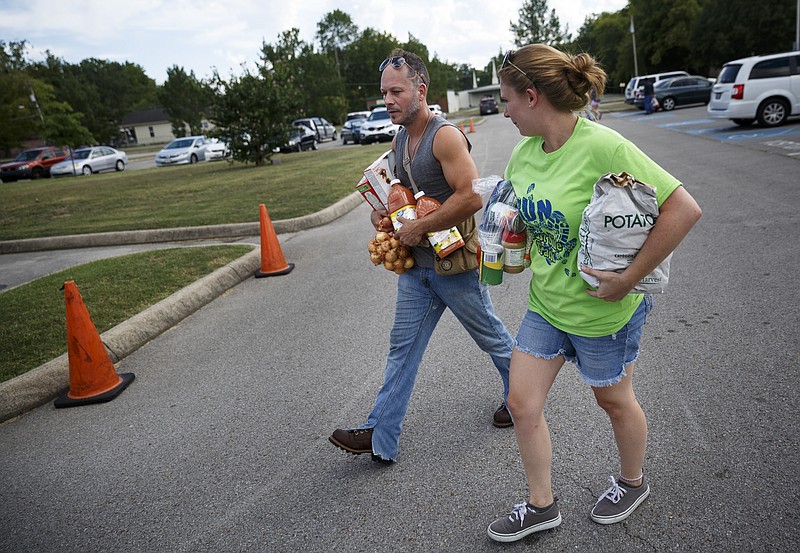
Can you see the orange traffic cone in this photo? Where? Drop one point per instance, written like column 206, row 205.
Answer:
column 471, row 125
column 92, row 378
column 272, row 261
column 461, row 126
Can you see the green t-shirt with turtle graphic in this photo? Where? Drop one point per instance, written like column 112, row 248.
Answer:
column 553, row 190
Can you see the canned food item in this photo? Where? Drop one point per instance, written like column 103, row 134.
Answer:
column 491, row 268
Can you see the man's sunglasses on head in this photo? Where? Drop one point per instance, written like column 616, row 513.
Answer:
column 397, row 62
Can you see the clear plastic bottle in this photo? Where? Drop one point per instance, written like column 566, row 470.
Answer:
column 444, row 242
column 401, row 203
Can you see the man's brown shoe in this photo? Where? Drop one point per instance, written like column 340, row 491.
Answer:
column 502, row 418
column 354, row 441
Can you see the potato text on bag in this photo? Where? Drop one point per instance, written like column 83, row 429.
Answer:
column 614, row 226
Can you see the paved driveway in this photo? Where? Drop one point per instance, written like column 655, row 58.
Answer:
column 220, row 444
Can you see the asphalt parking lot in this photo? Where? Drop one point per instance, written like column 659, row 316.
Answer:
column 220, row 444
column 694, row 121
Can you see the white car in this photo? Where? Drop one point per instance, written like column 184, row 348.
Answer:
column 763, row 88
column 85, row 161
column 216, row 149
column 378, row 127
column 635, row 87
column 436, row 109
column 189, row 149
column 357, row 115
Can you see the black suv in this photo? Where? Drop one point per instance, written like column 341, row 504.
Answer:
column 489, row 105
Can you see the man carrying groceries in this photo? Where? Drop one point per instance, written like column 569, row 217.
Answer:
column 441, row 167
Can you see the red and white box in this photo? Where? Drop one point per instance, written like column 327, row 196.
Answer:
column 375, row 185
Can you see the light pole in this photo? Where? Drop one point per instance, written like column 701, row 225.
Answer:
column 36, row 103
column 635, row 62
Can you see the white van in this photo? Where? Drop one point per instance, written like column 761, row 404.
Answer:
column 636, row 84
column 766, row 88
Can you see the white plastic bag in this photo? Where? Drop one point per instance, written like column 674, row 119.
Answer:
column 614, row 226
column 500, row 212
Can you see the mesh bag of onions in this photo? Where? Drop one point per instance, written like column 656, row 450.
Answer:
column 386, row 250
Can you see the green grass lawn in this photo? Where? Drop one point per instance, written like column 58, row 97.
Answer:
column 33, row 316
column 189, row 195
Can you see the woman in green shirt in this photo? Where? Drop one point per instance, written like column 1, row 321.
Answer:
column 553, row 171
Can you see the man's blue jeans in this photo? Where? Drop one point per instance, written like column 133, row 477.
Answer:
column 422, row 297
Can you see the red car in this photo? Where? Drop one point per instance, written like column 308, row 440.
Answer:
column 33, row 164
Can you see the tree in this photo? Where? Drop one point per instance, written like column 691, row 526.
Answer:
column 444, row 77
column 103, row 92
column 17, row 111
column 29, row 107
column 725, row 31
column 61, row 125
column 254, row 111
column 663, row 33
column 186, row 100
column 535, row 26
column 335, row 32
column 321, row 89
column 362, row 80
column 607, row 37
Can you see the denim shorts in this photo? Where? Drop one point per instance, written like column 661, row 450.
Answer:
column 600, row 361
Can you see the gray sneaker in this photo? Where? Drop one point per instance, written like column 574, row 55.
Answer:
column 619, row 501
column 522, row 521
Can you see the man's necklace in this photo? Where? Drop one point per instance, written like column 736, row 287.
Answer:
column 413, row 151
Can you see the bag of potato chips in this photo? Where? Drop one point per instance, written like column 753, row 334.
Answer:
column 614, row 226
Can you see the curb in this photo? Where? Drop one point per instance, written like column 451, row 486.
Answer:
column 48, row 381
column 236, row 230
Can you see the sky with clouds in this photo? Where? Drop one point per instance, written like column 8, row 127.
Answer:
column 200, row 35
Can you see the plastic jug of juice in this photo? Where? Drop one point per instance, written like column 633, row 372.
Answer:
column 444, row 242
column 401, row 203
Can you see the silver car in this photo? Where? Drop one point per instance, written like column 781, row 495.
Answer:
column 85, row 161
column 189, row 149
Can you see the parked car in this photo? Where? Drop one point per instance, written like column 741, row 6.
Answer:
column 635, row 87
column 351, row 130
column 489, row 105
column 216, row 149
column 189, row 149
column 300, row 139
column 321, row 126
column 85, row 161
column 378, row 127
column 436, row 109
column 679, row 91
column 357, row 115
column 34, row 163
column 763, row 88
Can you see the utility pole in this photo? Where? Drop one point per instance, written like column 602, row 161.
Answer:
column 635, row 61
column 35, row 103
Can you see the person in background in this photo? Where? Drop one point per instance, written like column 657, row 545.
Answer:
column 553, row 170
column 594, row 104
column 648, row 96
column 443, row 168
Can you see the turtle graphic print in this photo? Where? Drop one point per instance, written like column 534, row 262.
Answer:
column 548, row 229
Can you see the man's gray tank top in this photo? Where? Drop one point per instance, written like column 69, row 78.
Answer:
column 428, row 176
